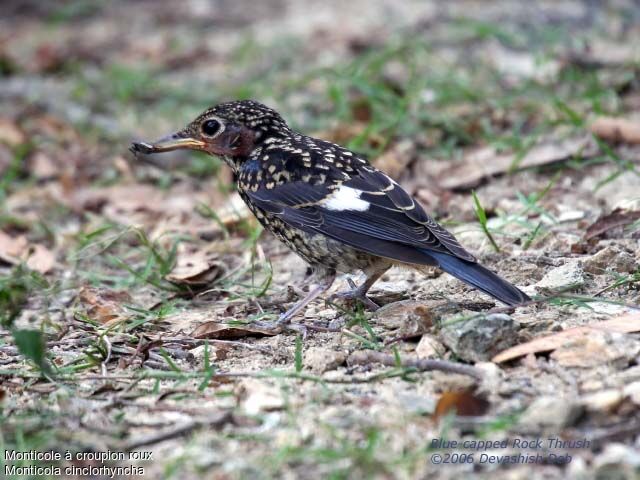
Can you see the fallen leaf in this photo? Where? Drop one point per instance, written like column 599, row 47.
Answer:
column 42, row 166
column 395, row 160
column 615, row 219
column 408, row 317
column 616, row 130
column 103, row 305
column 10, row 133
column 623, row 324
column 233, row 211
column 40, row 259
column 162, row 211
column 227, row 332
column 463, row 404
column 11, row 248
column 195, row 269
column 15, row 250
column 485, row 162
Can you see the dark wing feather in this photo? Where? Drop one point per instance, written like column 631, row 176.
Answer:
column 395, row 195
column 394, row 226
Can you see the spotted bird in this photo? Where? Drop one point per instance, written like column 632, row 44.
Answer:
column 328, row 204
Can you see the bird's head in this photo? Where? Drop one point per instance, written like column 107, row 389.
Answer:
column 230, row 130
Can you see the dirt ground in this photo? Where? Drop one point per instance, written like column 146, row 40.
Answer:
column 128, row 286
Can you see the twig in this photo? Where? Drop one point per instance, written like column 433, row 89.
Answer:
column 198, row 341
column 369, row 356
column 223, row 419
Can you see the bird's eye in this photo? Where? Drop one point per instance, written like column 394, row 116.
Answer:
column 210, row 127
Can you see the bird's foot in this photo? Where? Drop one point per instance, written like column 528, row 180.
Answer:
column 357, row 294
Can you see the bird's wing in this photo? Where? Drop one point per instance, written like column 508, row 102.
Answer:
column 368, row 211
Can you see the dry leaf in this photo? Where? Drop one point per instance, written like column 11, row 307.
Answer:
column 234, row 211
column 40, row 259
column 486, row 162
column 42, row 166
column 11, row 249
column 227, row 332
column 195, row 269
column 463, row 404
column 624, row 324
column 616, row 130
column 615, row 219
column 14, row 250
column 104, row 306
column 394, row 161
column 10, row 133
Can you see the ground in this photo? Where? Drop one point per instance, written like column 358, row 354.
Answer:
column 128, row 287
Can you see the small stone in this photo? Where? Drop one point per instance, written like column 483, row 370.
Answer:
column 570, row 216
column 409, row 316
column 550, row 412
column 632, row 391
column 320, row 359
column 492, row 377
column 260, row 397
column 481, row 337
column 429, row 347
column 610, row 258
column 617, row 461
column 603, row 401
column 416, row 403
column 568, row 276
column 327, row 314
column 198, row 353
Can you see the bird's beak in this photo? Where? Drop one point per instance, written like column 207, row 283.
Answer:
column 171, row 142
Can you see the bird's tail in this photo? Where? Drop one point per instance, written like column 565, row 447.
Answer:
column 481, row 278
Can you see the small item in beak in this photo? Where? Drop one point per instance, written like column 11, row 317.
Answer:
column 167, row 144
column 141, row 147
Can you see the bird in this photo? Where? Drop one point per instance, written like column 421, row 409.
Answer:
column 328, row 204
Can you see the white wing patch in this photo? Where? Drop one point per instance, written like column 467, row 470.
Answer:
column 346, row 198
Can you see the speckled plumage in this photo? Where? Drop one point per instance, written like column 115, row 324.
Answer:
column 325, row 202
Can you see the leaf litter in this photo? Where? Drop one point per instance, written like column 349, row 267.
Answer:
column 155, row 280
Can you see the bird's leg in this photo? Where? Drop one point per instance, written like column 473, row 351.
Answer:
column 324, row 282
column 360, row 293
column 323, row 285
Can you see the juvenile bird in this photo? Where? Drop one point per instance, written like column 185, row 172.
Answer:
column 328, row 204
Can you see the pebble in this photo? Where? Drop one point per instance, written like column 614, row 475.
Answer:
column 603, row 401
column 569, row 275
column 430, row 347
column 481, row 337
column 320, row 359
column 550, row 412
column 610, row 258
